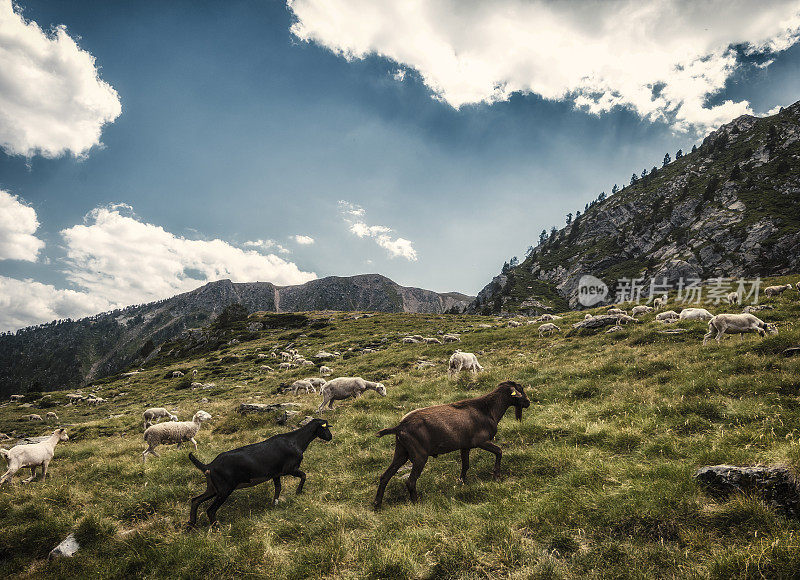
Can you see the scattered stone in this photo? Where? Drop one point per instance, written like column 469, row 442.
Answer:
column 673, row 331
column 66, row 548
column 264, row 408
column 615, row 328
column 597, row 322
column 422, row 364
column 776, row 486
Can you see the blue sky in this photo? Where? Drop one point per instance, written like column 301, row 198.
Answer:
column 217, row 132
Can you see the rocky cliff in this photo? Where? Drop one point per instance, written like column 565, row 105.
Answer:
column 730, row 208
column 67, row 354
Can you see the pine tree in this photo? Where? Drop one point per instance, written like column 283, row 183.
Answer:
column 694, row 148
column 667, row 160
column 569, row 218
column 602, row 195
column 679, row 154
column 644, row 173
column 542, row 237
column 614, row 189
column 577, row 215
column 634, row 178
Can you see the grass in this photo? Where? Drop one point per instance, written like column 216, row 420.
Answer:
column 597, row 478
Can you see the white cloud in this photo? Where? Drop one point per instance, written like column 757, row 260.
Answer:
column 25, row 302
column 773, row 111
column 397, row 247
column 52, row 99
column 267, row 245
column 18, row 224
column 123, row 260
column 660, row 58
column 303, row 240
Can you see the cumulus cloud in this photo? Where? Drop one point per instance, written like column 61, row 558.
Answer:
column 52, row 99
column 25, row 303
column 266, row 245
column 121, row 259
column 397, row 247
column 303, row 240
column 661, row 58
column 18, row 224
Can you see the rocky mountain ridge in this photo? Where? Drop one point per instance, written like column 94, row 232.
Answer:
column 730, row 208
column 67, row 354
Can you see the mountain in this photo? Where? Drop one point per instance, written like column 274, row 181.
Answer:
column 67, row 354
column 730, row 208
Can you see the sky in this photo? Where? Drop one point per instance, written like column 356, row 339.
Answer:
column 147, row 148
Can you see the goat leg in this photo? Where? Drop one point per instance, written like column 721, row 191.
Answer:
column 196, row 501
column 498, row 453
column 416, row 469
column 277, row 482
column 400, row 458
column 464, row 465
column 302, row 476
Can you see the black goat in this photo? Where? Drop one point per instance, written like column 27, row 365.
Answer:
column 444, row 428
column 253, row 464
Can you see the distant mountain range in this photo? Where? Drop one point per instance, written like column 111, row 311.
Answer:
column 730, row 208
column 68, row 354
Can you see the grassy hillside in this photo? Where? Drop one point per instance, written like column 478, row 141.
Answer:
column 597, row 478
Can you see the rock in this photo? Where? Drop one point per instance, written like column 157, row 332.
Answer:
column 616, row 328
column 306, row 420
column 597, row 322
column 284, row 417
column 255, row 326
column 66, row 548
column 262, row 408
column 776, row 486
column 673, row 331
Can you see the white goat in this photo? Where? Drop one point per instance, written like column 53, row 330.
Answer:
column 546, row 317
column 463, row 361
column 659, row 303
column 737, row 324
column 732, row 298
column 171, row 433
column 641, row 309
column 345, row 387
column 325, row 371
column 776, row 290
column 668, row 315
column 302, row 384
column 451, row 338
column 32, row 455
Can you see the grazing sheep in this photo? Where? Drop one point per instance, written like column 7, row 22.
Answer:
column 345, row 387
column 732, row 298
column 325, row 371
column 171, row 433
column 410, row 340
column 587, row 316
column 514, row 323
column 152, row 415
column 265, row 368
column 177, row 374
column 659, row 303
column 32, row 455
column 194, row 372
column 75, row 398
column 737, row 324
column 616, row 311
column 302, row 384
column 547, row 317
column 463, row 361
column 430, row 340
column 776, row 290
column 625, row 319
column 668, row 315
column 615, row 328
column 316, row 381
column 451, row 338
column 324, row 354
column 463, row 425
column 52, row 415
column 95, row 400
column 641, row 309
column 548, row 328
column 286, row 365
column 34, row 417
column 695, row 314
column 307, row 363
column 17, row 397
column 250, row 465
column 286, row 356
column 797, row 286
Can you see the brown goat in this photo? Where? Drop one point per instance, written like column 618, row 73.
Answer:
column 444, row 428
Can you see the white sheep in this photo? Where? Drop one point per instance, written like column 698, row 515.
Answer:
column 547, row 317
column 17, row 397
column 587, row 316
column 286, row 365
column 463, row 361
column 737, row 324
column 641, row 309
column 514, row 323
column 345, row 387
column 32, row 455
column 668, row 315
column 452, row 337
column 695, row 314
column 625, row 319
column 776, row 290
column 431, row 340
column 732, row 298
column 286, row 356
column 659, row 303
column 409, row 340
column 52, row 415
column 171, row 433
column 302, row 384
column 177, row 374
column 325, row 371
column 34, row 417
column 616, row 311
column 548, row 328
column 324, row 354
column 152, row 415
column 194, row 372
column 317, row 382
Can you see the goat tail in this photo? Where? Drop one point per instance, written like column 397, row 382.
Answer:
column 197, row 463
column 383, row 432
